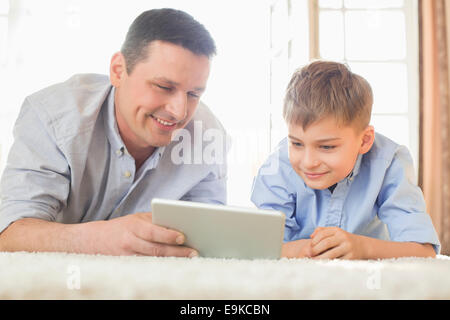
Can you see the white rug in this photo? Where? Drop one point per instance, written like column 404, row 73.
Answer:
column 71, row 276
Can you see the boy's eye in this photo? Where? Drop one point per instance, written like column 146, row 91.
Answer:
column 328, row 147
column 297, row 144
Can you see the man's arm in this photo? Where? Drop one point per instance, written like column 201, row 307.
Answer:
column 133, row 234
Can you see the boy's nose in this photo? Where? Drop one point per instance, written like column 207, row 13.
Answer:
column 310, row 160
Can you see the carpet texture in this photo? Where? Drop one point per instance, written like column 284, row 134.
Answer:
column 74, row 276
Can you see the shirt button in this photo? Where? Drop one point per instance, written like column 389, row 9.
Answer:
column 127, row 174
column 119, row 152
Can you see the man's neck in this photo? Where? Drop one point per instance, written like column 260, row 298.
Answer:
column 139, row 153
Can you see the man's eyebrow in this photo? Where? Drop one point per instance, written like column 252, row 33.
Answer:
column 166, row 81
column 175, row 84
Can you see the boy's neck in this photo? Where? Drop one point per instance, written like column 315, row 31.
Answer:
column 331, row 188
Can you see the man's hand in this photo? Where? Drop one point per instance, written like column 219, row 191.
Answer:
column 135, row 234
column 333, row 242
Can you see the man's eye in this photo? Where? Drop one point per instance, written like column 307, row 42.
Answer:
column 193, row 95
column 297, row 144
column 164, row 88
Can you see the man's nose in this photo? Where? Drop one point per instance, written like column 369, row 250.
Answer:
column 177, row 106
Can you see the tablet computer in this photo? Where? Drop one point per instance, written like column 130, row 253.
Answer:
column 219, row 231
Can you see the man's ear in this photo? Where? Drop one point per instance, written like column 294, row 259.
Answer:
column 368, row 137
column 117, row 69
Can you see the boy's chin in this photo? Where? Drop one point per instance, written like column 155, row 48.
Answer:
column 318, row 185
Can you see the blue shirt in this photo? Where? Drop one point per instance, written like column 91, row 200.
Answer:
column 378, row 199
column 68, row 162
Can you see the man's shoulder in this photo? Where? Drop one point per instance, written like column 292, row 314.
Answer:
column 80, row 88
column 206, row 117
column 71, row 106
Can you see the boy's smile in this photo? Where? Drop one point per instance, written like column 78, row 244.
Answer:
column 325, row 153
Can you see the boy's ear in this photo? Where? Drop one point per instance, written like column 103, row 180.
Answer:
column 117, row 69
column 368, row 137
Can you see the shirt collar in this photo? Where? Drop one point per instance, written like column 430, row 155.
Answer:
column 112, row 131
column 117, row 144
column 355, row 170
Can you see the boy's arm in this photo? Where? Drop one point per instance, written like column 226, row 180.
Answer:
column 297, row 249
column 401, row 205
column 382, row 249
column 333, row 242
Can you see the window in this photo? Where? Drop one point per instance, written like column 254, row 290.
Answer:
column 377, row 39
column 4, row 9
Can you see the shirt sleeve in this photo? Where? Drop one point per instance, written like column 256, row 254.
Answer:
column 402, row 206
column 271, row 191
column 212, row 189
column 36, row 179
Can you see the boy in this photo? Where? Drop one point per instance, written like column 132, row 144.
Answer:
column 347, row 191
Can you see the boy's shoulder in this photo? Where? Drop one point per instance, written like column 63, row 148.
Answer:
column 277, row 168
column 384, row 149
column 385, row 152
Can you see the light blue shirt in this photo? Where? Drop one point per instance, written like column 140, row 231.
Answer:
column 378, row 199
column 69, row 164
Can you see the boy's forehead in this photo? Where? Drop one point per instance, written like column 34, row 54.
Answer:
column 321, row 130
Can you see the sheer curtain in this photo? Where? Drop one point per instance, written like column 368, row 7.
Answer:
column 434, row 164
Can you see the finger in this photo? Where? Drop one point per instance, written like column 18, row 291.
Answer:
column 142, row 247
column 322, row 234
column 334, row 253
column 324, row 245
column 153, row 233
column 315, row 231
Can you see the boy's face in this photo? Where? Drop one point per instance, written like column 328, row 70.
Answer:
column 326, row 153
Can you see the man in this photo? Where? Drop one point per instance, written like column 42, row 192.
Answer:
column 91, row 153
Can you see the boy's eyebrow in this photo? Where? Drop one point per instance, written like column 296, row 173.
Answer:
column 319, row 140
column 328, row 139
column 293, row 138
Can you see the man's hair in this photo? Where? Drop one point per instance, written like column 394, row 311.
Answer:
column 168, row 25
column 322, row 89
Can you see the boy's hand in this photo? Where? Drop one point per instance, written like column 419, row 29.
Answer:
column 297, row 249
column 333, row 242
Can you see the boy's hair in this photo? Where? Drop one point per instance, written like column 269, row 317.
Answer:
column 168, row 25
column 323, row 89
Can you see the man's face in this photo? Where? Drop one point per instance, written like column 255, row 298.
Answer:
column 326, row 153
column 160, row 95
